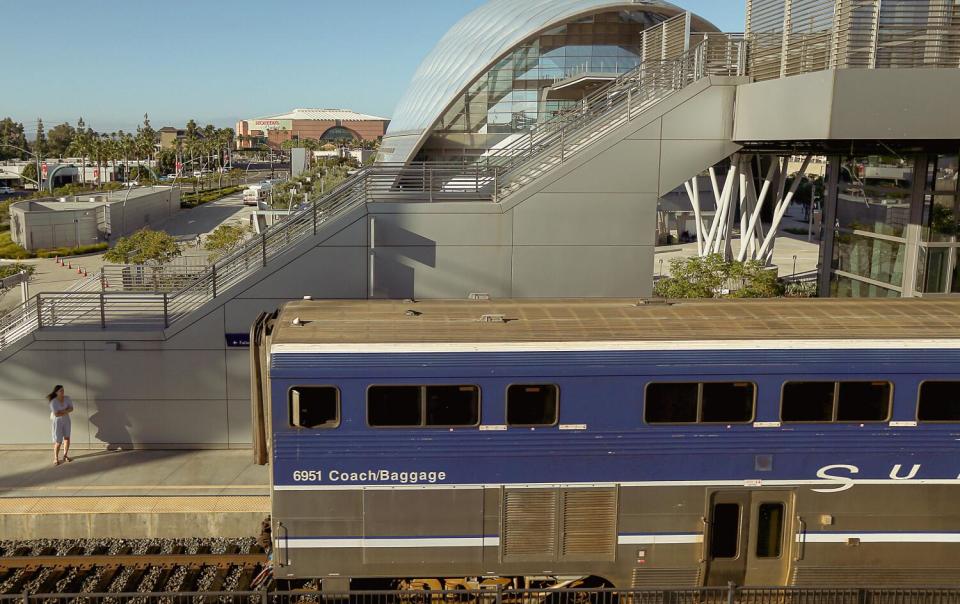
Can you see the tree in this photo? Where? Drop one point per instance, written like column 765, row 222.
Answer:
column 11, row 133
column 714, row 277
column 153, row 248
column 146, row 139
column 60, row 138
column 40, row 143
column 82, row 145
column 224, row 239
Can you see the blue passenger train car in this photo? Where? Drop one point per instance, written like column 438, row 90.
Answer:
column 805, row 442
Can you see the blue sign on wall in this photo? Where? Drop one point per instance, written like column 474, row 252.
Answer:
column 238, row 340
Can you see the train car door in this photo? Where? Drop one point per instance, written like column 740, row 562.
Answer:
column 747, row 540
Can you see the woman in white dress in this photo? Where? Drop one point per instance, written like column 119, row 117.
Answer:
column 60, row 409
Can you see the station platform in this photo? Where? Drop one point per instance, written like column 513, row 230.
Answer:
column 132, row 494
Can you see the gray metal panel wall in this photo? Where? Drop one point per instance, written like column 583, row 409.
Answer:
column 851, row 104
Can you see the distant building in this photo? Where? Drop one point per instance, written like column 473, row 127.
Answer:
column 170, row 135
column 316, row 124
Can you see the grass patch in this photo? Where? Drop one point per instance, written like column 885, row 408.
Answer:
column 10, row 250
column 795, row 231
column 192, row 200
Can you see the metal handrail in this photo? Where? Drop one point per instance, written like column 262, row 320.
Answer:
column 433, row 181
column 555, row 140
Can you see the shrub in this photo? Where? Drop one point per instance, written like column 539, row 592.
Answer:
column 144, row 247
column 8, row 270
column 713, row 277
column 72, row 251
column 225, row 238
column 10, row 250
column 192, row 200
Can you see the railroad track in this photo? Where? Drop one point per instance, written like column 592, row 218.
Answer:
column 142, row 566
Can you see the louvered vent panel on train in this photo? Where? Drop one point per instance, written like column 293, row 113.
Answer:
column 885, row 575
column 589, row 524
column 529, row 524
column 665, row 577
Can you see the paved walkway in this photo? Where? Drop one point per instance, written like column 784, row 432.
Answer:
column 132, row 473
column 132, row 495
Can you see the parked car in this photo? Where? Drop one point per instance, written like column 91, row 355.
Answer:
column 7, row 191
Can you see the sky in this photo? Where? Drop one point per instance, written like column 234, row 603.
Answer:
column 217, row 61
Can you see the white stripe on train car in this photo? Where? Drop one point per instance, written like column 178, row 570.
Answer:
column 630, row 539
column 655, row 538
column 382, row 542
column 439, row 347
column 904, row 537
column 752, row 483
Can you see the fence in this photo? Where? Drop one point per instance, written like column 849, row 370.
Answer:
column 702, row 595
column 790, row 37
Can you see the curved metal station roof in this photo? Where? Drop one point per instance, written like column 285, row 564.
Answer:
column 485, row 35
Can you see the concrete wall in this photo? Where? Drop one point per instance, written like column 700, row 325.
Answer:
column 143, row 210
column 584, row 229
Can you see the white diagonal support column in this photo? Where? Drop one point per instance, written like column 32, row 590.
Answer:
column 693, row 192
column 749, row 238
column 767, row 248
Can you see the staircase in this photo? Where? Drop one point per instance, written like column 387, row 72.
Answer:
column 499, row 174
column 157, row 310
column 555, row 141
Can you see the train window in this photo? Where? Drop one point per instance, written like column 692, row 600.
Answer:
column 532, row 405
column 691, row 402
column 939, row 402
column 452, row 405
column 727, row 402
column 671, row 403
column 392, row 406
column 725, row 530
column 835, row 401
column 807, row 402
column 314, row 407
column 863, row 401
column 769, row 530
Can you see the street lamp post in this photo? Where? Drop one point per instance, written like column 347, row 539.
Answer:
column 36, row 157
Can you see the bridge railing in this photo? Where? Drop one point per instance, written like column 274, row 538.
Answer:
column 555, row 140
column 157, row 303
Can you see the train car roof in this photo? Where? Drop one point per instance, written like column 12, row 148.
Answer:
column 397, row 322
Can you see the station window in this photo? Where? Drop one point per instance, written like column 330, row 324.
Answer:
column 835, row 401
column 532, row 404
column 703, row 402
column 314, row 407
column 411, row 406
column 939, row 402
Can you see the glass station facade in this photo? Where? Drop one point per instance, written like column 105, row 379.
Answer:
column 516, row 92
column 895, row 220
